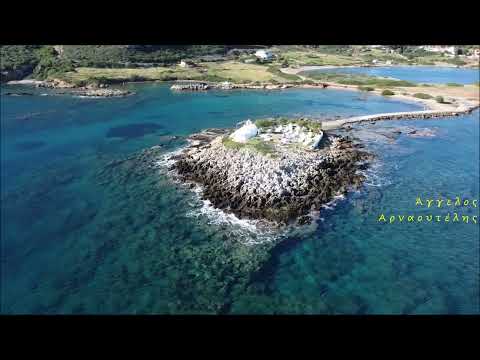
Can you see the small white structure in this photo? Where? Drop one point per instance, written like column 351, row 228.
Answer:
column 316, row 140
column 186, row 64
column 292, row 133
column 374, row 61
column 245, row 133
column 264, row 55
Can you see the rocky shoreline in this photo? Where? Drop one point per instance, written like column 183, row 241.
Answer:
column 281, row 189
column 200, row 86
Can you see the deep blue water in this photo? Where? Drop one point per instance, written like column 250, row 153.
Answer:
column 80, row 235
column 419, row 74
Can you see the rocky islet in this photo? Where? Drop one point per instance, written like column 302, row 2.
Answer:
column 280, row 187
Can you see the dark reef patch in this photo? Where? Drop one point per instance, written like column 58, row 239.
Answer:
column 132, row 131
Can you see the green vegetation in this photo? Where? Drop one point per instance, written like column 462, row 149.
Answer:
column 121, row 63
column 382, row 56
column 320, row 55
column 366, row 88
column 276, row 71
column 454, row 84
column 455, row 61
column 255, row 144
column 263, row 147
column 215, row 72
column 307, row 82
column 50, row 65
column 422, row 96
column 387, row 92
column 433, row 58
column 313, row 126
column 241, row 72
column 439, row 99
column 131, row 55
column 14, row 56
column 265, row 123
column 356, row 79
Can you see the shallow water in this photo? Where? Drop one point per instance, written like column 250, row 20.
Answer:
column 417, row 74
column 87, row 229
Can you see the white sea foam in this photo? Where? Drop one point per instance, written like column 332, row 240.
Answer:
column 167, row 160
column 249, row 232
column 376, row 175
column 334, row 202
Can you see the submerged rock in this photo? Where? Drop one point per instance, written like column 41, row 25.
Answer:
column 422, row 133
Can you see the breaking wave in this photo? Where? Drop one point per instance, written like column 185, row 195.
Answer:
column 249, row 232
column 376, row 175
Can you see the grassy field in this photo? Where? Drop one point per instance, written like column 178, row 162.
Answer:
column 375, row 54
column 215, row 71
column 469, row 92
column 240, row 72
column 357, row 79
column 154, row 73
column 255, row 144
column 296, row 56
column 299, row 58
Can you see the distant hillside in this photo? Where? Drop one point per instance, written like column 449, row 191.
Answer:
column 47, row 61
column 125, row 55
column 18, row 61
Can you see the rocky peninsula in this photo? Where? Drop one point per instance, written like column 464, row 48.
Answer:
column 94, row 91
column 278, row 170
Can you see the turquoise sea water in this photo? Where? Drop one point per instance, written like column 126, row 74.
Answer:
column 86, row 229
column 423, row 74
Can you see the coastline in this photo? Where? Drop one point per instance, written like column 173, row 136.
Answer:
column 458, row 101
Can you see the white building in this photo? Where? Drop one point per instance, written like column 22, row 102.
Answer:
column 245, row 133
column 264, row 55
column 186, row 64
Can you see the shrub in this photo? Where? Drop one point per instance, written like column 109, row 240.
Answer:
column 456, row 61
column 387, row 92
column 454, row 84
column 169, row 78
column 134, row 78
column 212, row 78
column 307, row 82
column 439, row 99
column 264, row 123
column 276, row 71
column 230, row 144
column 422, row 96
column 366, row 88
column 356, row 79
